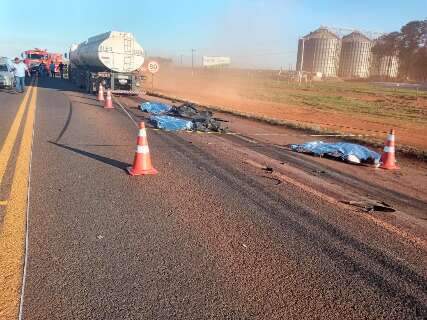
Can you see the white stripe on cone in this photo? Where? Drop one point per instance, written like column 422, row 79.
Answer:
column 142, row 133
column 388, row 149
column 142, row 149
column 390, row 137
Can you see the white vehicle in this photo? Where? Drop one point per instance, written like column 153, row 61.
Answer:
column 7, row 77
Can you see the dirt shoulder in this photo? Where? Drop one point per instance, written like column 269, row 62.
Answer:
column 282, row 102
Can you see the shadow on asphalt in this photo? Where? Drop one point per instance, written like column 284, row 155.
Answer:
column 67, row 122
column 9, row 91
column 57, row 84
column 13, row 90
column 109, row 161
column 85, row 96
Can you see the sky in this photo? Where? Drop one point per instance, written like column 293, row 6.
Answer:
column 254, row 33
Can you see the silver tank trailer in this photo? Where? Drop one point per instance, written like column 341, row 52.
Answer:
column 110, row 58
column 356, row 56
column 114, row 51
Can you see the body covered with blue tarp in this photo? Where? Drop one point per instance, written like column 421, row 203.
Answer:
column 155, row 107
column 184, row 117
column 345, row 151
column 169, row 123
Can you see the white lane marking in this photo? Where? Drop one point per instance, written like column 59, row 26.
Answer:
column 127, row 113
column 27, row 221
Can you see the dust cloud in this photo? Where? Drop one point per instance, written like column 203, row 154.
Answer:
column 251, row 33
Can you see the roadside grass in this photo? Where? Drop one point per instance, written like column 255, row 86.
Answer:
column 345, row 97
column 364, row 88
column 355, row 106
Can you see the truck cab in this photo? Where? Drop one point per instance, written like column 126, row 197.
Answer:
column 33, row 58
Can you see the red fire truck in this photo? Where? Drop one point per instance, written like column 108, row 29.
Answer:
column 33, row 58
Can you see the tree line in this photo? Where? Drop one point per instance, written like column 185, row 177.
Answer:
column 410, row 46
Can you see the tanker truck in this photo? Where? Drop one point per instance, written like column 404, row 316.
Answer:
column 111, row 58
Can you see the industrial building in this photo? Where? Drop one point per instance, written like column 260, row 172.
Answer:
column 319, row 52
column 323, row 52
column 384, row 67
column 356, row 56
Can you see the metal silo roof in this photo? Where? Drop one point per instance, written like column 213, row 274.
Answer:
column 321, row 33
column 356, row 36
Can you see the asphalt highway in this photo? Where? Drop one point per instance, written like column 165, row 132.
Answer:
column 206, row 238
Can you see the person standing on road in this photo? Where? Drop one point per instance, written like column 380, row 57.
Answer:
column 61, row 69
column 42, row 68
column 52, row 69
column 19, row 69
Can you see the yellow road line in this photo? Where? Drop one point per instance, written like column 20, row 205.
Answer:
column 12, row 232
column 8, row 144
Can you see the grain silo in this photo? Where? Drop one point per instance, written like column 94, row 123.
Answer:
column 384, row 66
column 355, row 59
column 319, row 51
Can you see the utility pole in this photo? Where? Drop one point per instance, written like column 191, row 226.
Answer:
column 181, row 59
column 192, row 61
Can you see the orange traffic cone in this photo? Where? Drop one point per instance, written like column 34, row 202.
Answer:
column 100, row 93
column 108, row 101
column 388, row 160
column 142, row 161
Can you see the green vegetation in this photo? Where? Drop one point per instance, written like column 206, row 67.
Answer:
column 380, row 107
column 410, row 45
column 346, row 97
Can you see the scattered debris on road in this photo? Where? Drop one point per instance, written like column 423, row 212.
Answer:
column 255, row 164
column 268, row 169
column 265, row 168
column 371, row 205
column 275, row 180
column 184, row 117
column 202, row 120
column 319, row 172
column 185, row 110
column 349, row 152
